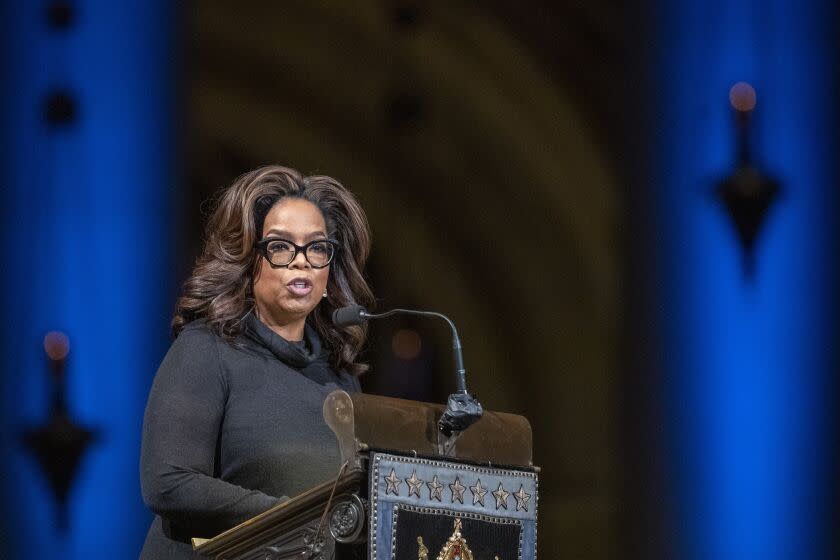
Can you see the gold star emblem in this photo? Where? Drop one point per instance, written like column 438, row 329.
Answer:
column 478, row 493
column 393, row 482
column 501, row 497
column 435, row 489
column 522, row 498
column 414, row 484
column 457, row 490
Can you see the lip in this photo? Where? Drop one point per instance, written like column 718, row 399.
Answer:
column 299, row 286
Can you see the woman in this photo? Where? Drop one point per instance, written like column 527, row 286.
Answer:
column 233, row 425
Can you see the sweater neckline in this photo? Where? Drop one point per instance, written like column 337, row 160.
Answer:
column 292, row 353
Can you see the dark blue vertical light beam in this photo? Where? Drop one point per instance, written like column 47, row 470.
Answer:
column 86, row 218
column 748, row 361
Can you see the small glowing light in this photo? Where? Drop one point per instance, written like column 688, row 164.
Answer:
column 406, row 344
column 742, row 97
column 56, row 345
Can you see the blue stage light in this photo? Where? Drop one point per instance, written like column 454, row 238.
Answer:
column 88, row 166
column 747, row 359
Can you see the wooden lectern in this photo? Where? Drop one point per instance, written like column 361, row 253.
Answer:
column 403, row 492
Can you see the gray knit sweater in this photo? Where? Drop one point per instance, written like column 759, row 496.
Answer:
column 232, row 430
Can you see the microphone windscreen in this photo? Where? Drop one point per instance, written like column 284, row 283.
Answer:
column 347, row 316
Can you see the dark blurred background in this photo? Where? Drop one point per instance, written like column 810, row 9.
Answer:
column 630, row 211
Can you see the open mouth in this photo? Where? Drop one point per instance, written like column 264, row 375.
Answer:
column 300, row 286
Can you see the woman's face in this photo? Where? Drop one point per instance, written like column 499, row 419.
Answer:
column 285, row 296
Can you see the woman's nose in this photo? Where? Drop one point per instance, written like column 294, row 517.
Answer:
column 299, row 261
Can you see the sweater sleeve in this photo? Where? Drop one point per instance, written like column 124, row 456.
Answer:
column 181, row 429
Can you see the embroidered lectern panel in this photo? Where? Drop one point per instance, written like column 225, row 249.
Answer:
column 425, row 509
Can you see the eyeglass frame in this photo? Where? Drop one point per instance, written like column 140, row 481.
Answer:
column 262, row 247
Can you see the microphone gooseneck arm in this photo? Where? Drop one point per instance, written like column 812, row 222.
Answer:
column 457, row 352
column 462, row 409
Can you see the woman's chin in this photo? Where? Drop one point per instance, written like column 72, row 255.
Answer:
column 297, row 308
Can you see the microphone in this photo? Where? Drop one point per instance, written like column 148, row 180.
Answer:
column 462, row 409
column 350, row 315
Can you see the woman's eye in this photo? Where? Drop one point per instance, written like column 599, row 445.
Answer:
column 319, row 248
column 279, row 247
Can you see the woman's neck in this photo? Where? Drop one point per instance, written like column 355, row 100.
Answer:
column 291, row 331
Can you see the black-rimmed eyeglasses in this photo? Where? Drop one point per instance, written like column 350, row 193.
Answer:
column 281, row 252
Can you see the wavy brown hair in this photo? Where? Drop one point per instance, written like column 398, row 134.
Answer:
column 220, row 289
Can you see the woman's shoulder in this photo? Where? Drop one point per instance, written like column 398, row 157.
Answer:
column 197, row 339
column 197, row 326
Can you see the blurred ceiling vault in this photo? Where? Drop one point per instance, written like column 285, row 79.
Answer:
column 476, row 140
